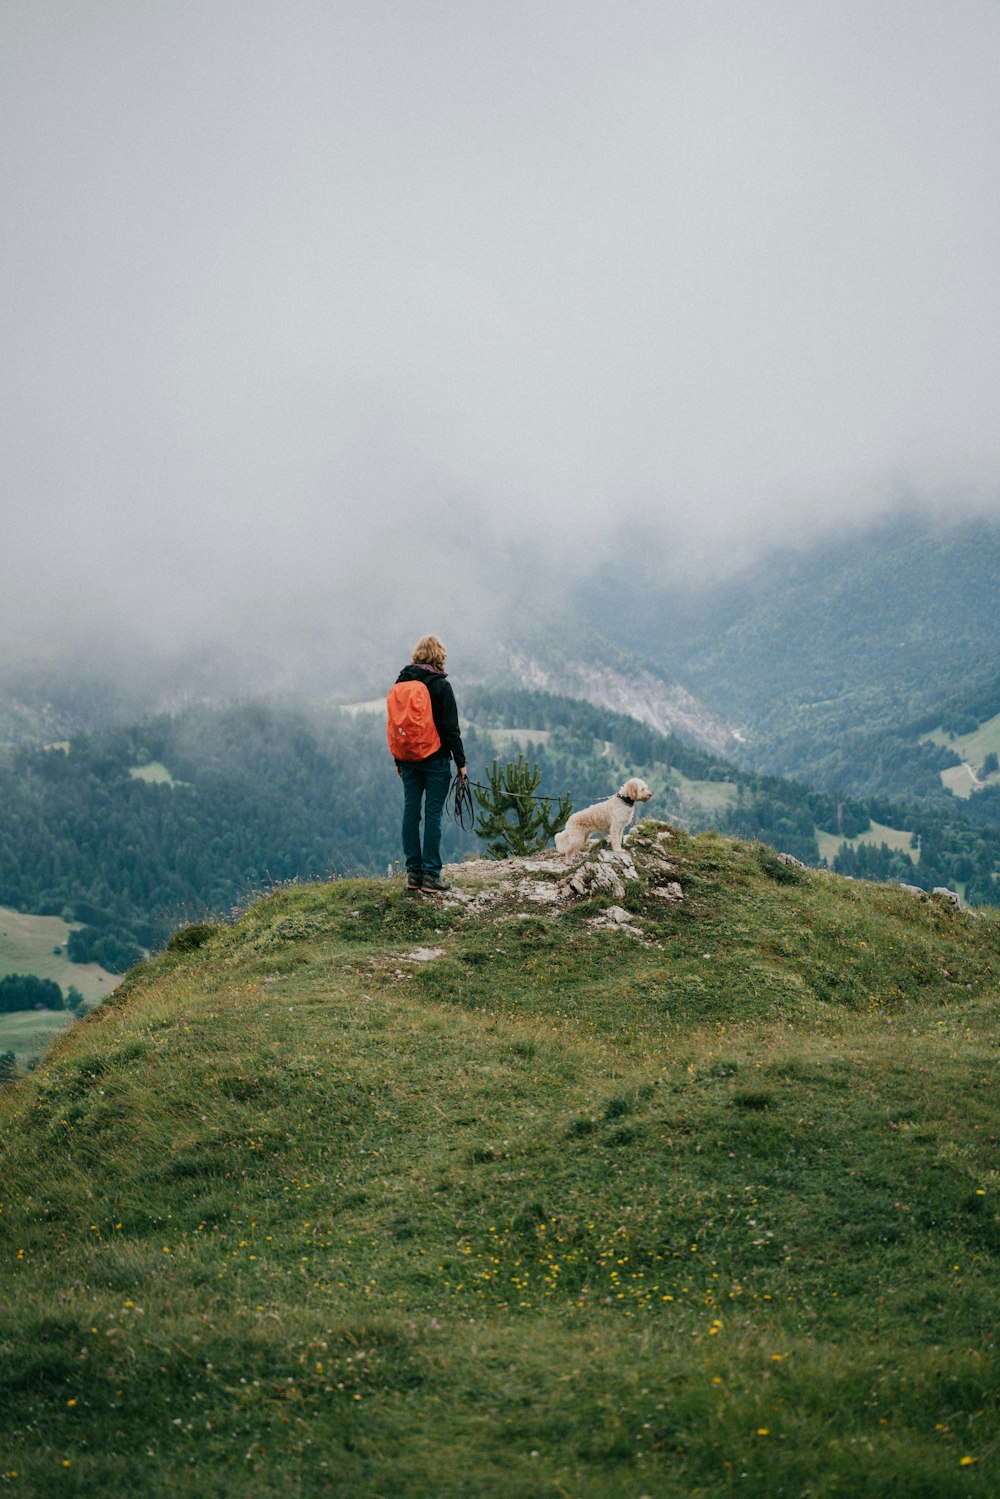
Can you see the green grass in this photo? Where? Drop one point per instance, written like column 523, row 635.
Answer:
column 153, row 773
column 877, row 834
column 960, row 780
column 557, row 1212
column 972, row 747
column 511, row 741
column 28, row 944
column 702, row 797
column 30, row 1033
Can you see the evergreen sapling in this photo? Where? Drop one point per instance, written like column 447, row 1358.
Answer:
column 514, row 820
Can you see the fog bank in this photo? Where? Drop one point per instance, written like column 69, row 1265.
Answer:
column 328, row 324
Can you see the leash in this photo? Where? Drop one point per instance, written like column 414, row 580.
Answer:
column 459, row 803
column 518, row 796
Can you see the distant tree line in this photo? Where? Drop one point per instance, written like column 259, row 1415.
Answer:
column 114, row 950
column 23, row 991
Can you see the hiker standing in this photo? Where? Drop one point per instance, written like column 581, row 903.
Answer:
column 424, row 738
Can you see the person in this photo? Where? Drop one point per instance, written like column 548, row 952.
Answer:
column 427, row 781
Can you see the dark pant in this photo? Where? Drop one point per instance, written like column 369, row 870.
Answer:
column 424, row 781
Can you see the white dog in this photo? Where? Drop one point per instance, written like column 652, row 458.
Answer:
column 611, row 817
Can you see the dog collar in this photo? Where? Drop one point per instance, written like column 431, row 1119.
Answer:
column 628, row 800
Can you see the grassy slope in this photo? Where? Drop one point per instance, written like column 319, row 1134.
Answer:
column 556, row 1212
column 30, row 1033
column 702, row 798
column 28, row 943
column 878, row 833
column 154, row 773
column 973, row 749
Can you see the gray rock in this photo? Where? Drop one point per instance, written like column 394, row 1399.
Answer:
column 597, row 878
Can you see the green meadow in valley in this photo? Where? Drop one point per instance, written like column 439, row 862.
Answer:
column 37, row 945
column 688, row 1190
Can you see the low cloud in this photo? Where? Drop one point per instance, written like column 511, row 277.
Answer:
column 329, row 325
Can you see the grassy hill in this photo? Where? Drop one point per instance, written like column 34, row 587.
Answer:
column 683, row 1186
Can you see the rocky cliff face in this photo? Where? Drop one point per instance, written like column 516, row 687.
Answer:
column 664, row 706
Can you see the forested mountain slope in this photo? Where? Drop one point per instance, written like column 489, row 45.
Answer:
column 827, row 658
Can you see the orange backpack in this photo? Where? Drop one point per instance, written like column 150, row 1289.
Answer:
column 410, row 726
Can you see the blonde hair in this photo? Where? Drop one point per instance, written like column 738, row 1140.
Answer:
column 429, row 651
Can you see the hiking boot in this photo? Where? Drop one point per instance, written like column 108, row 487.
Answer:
column 415, row 882
column 435, row 882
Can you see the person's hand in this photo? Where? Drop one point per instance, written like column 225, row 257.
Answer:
column 399, row 771
column 463, row 772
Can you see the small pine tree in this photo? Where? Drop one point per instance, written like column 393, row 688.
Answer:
column 513, row 819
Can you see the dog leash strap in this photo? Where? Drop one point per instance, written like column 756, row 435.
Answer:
column 461, row 807
column 519, row 796
column 460, row 803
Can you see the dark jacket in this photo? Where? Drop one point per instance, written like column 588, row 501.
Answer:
column 443, row 707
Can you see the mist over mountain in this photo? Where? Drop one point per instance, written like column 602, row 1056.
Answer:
column 869, row 632
column 329, row 325
column 780, row 665
column 905, row 604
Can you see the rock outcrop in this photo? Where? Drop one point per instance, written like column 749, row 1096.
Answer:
column 628, row 879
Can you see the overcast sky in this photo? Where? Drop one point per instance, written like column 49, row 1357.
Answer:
column 293, row 290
